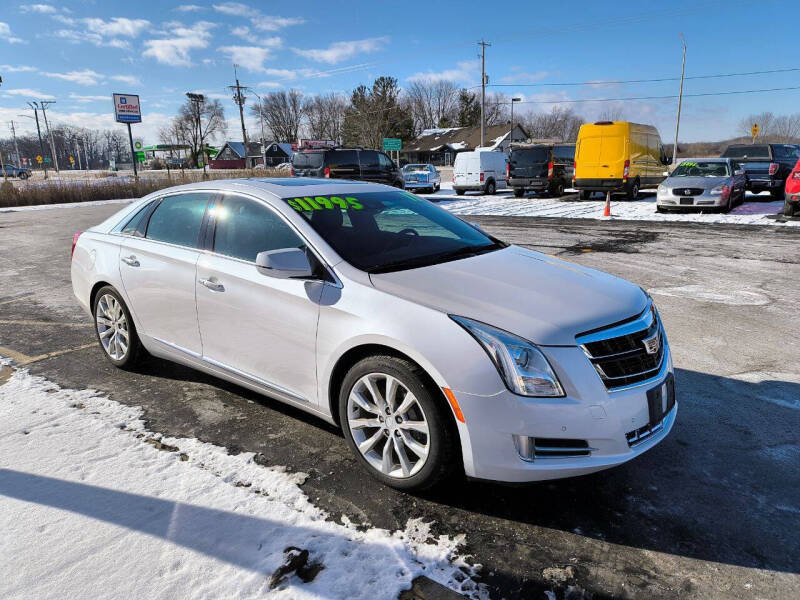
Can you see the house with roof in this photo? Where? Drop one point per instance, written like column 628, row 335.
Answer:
column 232, row 155
column 440, row 146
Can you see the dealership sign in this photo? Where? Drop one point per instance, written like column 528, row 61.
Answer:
column 127, row 109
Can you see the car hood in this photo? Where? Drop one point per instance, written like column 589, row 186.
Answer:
column 546, row 300
column 705, row 183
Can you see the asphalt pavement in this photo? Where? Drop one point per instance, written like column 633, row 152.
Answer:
column 712, row 512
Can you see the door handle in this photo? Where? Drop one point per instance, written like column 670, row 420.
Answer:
column 212, row 284
column 130, row 261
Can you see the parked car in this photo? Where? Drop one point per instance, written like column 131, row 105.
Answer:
column 11, row 171
column 791, row 200
column 540, row 168
column 703, row 183
column 355, row 164
column 618, row 157
column 766, row 165
column 436, row 347
column 421, row 177
column 479, row 170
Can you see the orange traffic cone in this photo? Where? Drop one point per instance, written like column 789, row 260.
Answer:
column 607, row 209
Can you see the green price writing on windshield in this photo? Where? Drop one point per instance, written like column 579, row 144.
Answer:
column 324, row 203
column 689, row 164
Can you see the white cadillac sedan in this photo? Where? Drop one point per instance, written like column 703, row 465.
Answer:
column 435, row 346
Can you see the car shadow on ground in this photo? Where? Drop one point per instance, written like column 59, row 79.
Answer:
column 721, row 487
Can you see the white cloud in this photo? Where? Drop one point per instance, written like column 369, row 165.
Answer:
column 188, row 8
column 339, row 51
column 176, row 49
column 129, row 79
column 465, row 71
column 89, row 98
column 5, row 34
column 17, row 69
column 250, row 57
column 29, row 93
column 258, row 20
column 236, row 9
column 44, row 9
column 117, row 26
column 84, row 77
column 524, row 77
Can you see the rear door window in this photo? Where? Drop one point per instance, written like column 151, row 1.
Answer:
column 307, row 160
column 564, row 154
column 342, row 159
column 178, row 219
column 529, row 156
column 369, row 159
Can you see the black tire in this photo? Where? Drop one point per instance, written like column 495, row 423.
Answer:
column 398, row 184
column 632, row 191
column 135, row 350
column 436, row 188
column 788, row 209
column 584, row 194
column 777, row 194
column 519, row 192
column 659, row 209
column 490, row 188
column 443, row 453
column 460, row 192
column 23, row 176
column 558, row 190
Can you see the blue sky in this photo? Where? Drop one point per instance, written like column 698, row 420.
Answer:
column 78, row 53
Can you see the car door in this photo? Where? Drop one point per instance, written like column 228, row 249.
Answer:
column 370, row 167
column 260, row 327
column 387, row 169
column 158, row 270
column 342, row 164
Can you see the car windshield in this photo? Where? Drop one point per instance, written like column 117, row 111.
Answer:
column 527, row 156
column 307, row 160
column 690, row 168
column 379, row 232
column 413, row 168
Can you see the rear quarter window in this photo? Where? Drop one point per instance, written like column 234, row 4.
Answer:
column 342, row 159
column 307, row 160
column 564, row 153
column 178, row 219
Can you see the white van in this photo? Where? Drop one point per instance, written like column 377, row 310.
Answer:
column 480, row 170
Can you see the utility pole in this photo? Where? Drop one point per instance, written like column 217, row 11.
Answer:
column 16, row 148
column 239, row 98
column 35, row 108
column 261, row 118
column 44, row 104
column 511, row 133
column 77, row 152
column 484, row 79
column 680, row 97
column 86, row 153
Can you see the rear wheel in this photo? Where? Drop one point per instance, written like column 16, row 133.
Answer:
column 777, row 194
column 23, row 176
column 519, row 192
column 584, row 194
column 396, row 424
column 491, row 188
column 460, row 192
column 115, row 330
column 632, row 193
column 788, row 209
column 558, row 190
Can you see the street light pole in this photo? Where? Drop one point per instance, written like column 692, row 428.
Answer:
column 511, row 133
column 16, row 148
column 35, row 108
column 483, row 45
column 43, row 105
column 261, row 118
column 680, row 98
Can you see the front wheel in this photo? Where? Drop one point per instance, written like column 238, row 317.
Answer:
column 115, row 330
column 397, row 424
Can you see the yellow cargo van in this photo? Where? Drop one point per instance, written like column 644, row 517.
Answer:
column 617, row 157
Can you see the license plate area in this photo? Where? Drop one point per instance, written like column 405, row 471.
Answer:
column 687, row 201
column 660, row 400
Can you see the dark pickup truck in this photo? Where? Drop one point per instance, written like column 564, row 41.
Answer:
column 766, row 165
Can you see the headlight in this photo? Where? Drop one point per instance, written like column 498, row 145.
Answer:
column 522, row 366
column 717, row 190
column 662, row 191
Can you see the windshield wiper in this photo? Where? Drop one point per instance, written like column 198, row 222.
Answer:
column 432, row 259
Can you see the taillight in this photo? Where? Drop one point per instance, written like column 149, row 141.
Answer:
column 74, row 243
column 626, row 170
column 481, row 177
column 327, row 172
column 291, row 171
column 773, row 168
column 508, row 171
column 550, row 170
column 454, row 176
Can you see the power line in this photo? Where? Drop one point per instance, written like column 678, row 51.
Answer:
column 655, row 80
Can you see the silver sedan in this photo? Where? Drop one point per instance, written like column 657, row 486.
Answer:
column 703, row 183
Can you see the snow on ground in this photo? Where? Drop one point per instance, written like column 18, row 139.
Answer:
column 92, row 505
column 753, row 212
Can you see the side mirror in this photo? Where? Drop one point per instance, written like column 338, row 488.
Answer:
column 285, row 263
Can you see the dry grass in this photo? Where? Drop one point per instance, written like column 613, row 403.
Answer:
column 32, row 193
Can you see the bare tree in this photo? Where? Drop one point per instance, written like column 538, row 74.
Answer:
column 434, row 103
column 325, row 116
column 199, row 122
column 611, row 113
column 498, row 109
column 283, row 113
column 559, row 124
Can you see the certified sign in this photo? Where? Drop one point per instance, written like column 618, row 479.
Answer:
column 127, row 109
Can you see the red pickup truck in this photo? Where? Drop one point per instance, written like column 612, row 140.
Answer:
column 791, row 199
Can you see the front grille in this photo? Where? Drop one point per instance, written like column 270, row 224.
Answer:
column 531, row 448
column 633, row 356
column 687, row 191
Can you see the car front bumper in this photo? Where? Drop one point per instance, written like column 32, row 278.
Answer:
column 591, row 413
column 700, row 201
column 600, row 185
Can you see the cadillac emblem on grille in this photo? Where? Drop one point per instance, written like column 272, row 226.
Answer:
column 652, row 344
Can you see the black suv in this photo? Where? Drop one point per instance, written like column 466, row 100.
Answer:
column 766, row 165
column 541, row 168
column 347, row 163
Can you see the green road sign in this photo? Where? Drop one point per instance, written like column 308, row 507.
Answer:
column 140, row 156
column 47, row 160
column 392, row 144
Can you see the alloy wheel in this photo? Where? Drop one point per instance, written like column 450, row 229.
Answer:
column 388, row 425
column 112, row 327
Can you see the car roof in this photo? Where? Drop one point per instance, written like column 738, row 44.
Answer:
column 285, row 187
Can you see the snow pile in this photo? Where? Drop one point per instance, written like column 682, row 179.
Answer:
column 754, row 211
column 94, row 505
